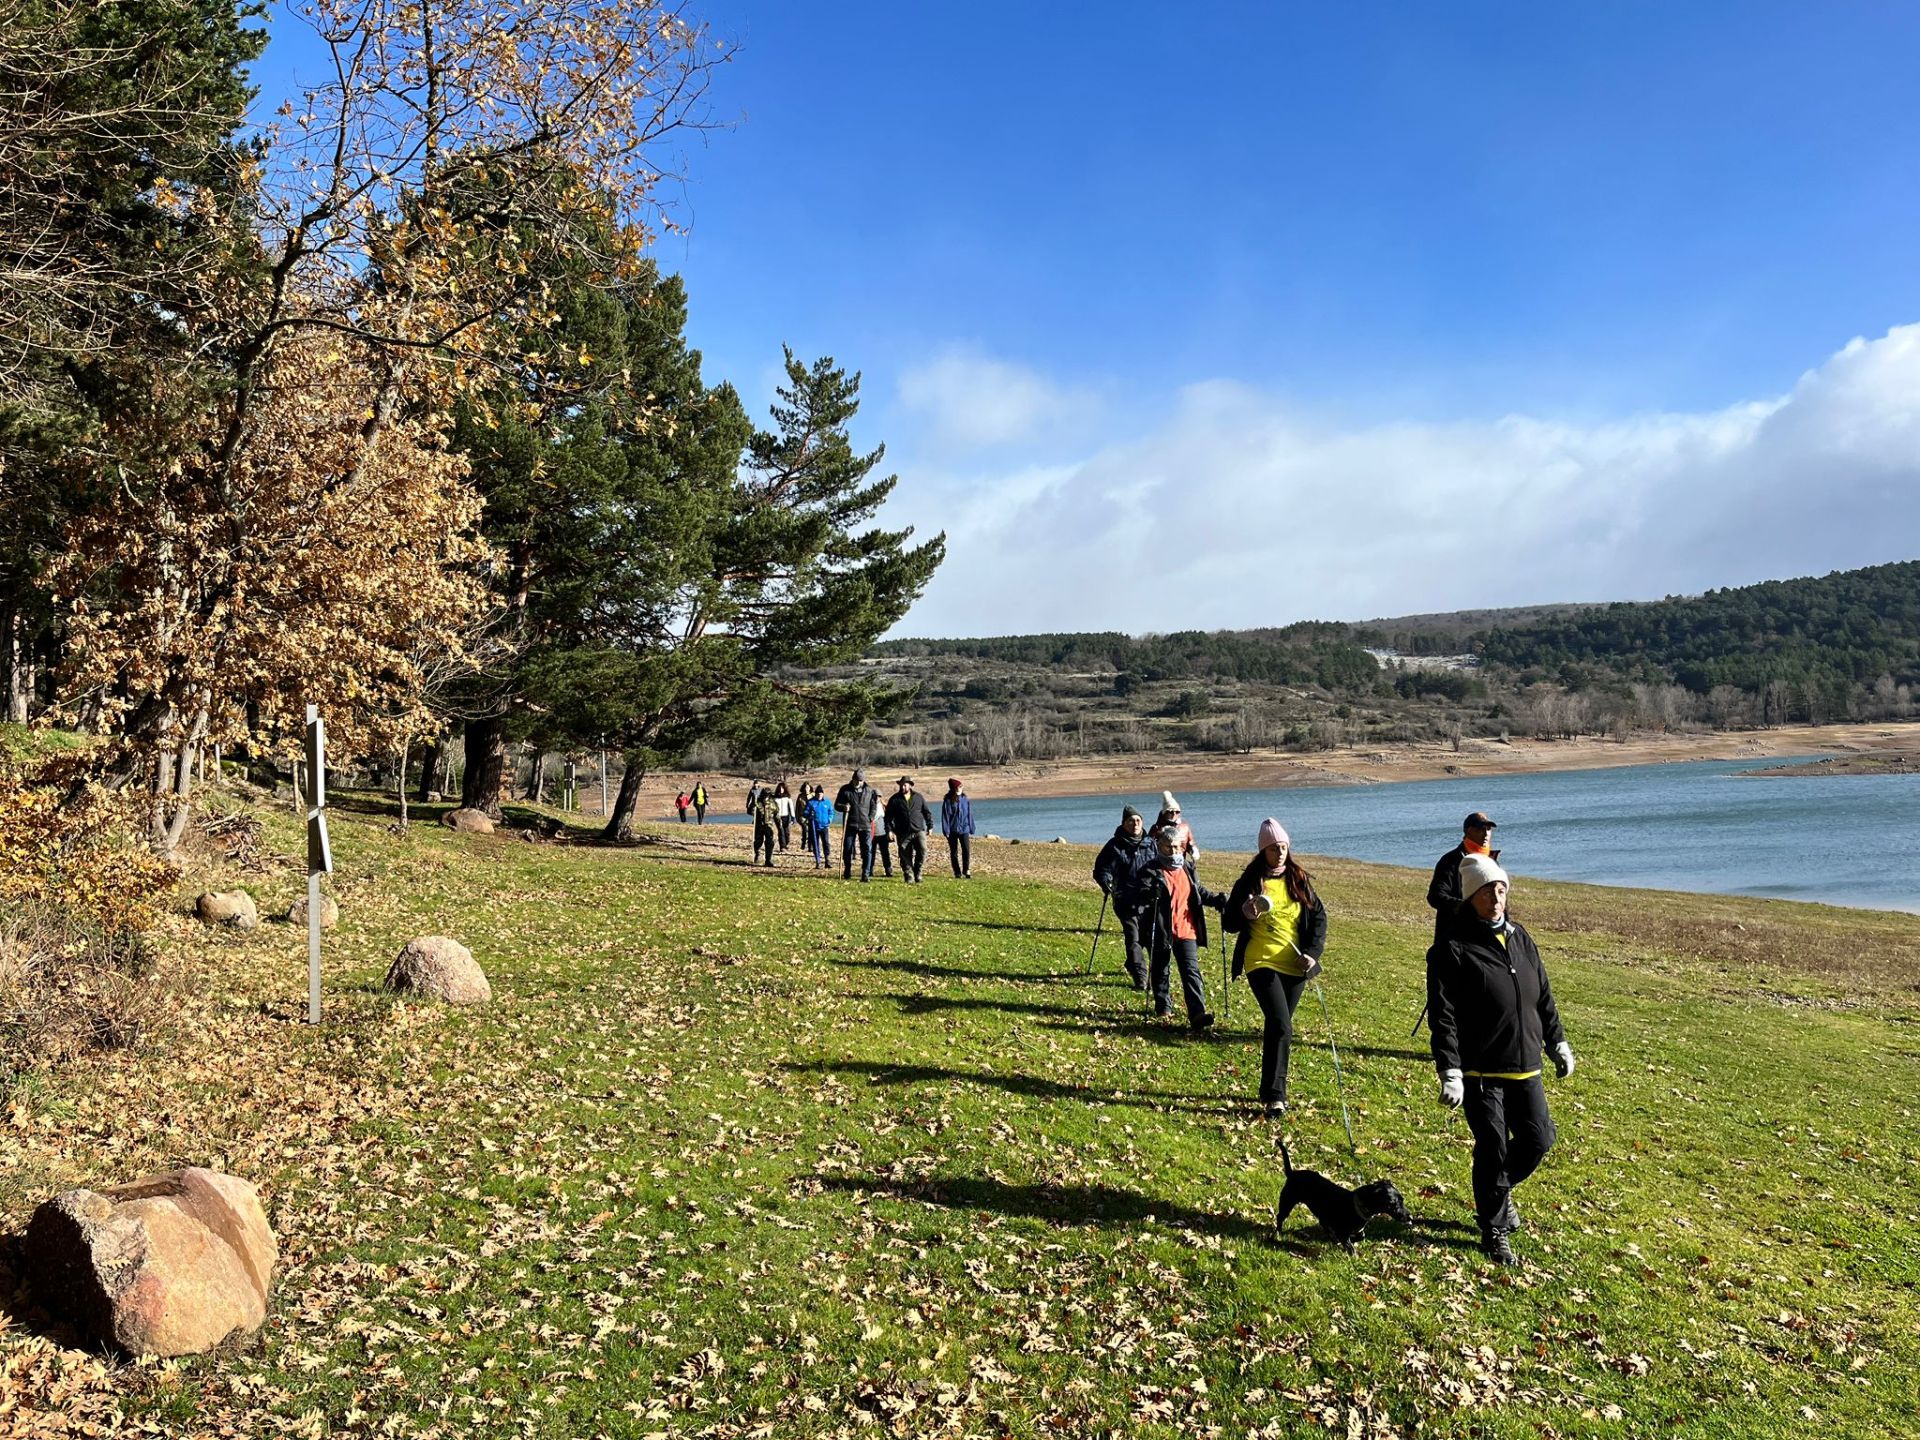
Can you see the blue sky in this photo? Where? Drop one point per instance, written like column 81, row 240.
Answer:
column 1307, row 310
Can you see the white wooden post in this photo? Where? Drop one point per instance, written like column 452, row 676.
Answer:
column 319, row 853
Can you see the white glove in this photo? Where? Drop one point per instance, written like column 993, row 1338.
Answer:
column 1453, row 1089
column 1563, row 1059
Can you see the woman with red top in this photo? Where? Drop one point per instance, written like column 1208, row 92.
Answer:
column 1179, row 931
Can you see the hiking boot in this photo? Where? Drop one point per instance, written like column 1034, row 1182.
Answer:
column 1507, row 1222
column 1202, row 1021
column 1274, row 1108
column 1494, row 1246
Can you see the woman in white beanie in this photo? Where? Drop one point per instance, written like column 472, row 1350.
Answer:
column 1492, row 1014
column 1282, row 926
column 1184, row 845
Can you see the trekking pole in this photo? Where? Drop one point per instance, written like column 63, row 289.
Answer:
column 1417, row 1019
column 1104, row 897
column 1226, row 985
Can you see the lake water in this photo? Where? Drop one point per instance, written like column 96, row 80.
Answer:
column 1693, row 825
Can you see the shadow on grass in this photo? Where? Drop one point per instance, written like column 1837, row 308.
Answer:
column 1386, row 1052
column 962, row 972
column 880, row 1073
column 1075, row 1206
column 1014, row 925
column 938, row 1004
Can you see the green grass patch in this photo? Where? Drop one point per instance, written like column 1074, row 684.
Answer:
column 737, row 1153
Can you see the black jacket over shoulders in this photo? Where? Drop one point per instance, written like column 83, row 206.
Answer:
column 1313, row 918
column 1489, row 1005
column 1122, row 871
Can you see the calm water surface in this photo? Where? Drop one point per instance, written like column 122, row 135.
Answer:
column 1695, row 825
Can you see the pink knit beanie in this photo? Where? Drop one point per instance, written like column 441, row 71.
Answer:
column 1272, row 832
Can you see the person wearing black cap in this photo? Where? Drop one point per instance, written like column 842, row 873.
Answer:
column 1443, row 894
column 857, row 801
column 909, row 819
column 1124, row 873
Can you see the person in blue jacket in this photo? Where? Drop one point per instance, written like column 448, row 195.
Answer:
column 956, row 823
column 821, row 809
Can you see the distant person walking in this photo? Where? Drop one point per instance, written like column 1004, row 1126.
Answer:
column 766, row 824
column 1282, row 926
column 1121, row 872
column 700, row 801
column 1443, row 893
column 909, row 819
column 858, row 802
column 753, row 796
column 680, row 803
column 1179, row 931
column 1492, row 1014
column 783, row 809
column 956, row 823
column 820, row 814
column 1170, row 819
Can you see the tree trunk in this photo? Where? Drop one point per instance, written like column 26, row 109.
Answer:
column 620, row 823
column 537, row 781
column 429, row 770
column 406, row 754
column 20, row 670
column 486, row 764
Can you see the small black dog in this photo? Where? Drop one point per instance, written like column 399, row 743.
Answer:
column 1344, row 1212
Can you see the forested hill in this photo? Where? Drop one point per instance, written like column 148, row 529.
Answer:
column 1853, row 626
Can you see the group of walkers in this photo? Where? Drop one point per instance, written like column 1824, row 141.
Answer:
column 871, row 829
column 1489, row 1005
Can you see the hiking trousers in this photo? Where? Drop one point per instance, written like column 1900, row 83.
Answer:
column 1512, row 1133
column 1132, row 928
column 817, row 842
column 1186, row 955
column 883, row 854
column 1278, row 996
column 853, row 837
column 762, row 836
column 913, row 855
column 960, row 853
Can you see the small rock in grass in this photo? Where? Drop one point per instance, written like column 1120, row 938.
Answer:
column 468, row 822
column 234, row 908
column 438, row 968
column 329, row 912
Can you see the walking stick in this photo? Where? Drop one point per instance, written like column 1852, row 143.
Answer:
column 1226, row 985
column 1104, row 897
column 1417, row 1019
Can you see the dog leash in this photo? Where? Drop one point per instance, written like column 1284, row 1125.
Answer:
column 1340, row 1078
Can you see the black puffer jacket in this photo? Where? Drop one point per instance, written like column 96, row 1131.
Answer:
column 1123, row 871
column 1489, row 1005
column 1313, row 920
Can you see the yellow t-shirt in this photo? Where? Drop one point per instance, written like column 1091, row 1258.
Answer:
column 1272, row 936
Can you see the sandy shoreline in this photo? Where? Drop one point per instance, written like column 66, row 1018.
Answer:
column 1110, row 775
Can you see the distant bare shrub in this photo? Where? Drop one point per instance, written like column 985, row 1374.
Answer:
column 70, row 985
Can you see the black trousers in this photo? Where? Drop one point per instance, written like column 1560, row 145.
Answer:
column 785, row 822
column 913, row 855
column 855, row 837
column 960, row 852
column 1512, row 1133
column 762, row 835
column 1279, row 996
column 1133, row 929
column 883, row 853
column 1185, row 954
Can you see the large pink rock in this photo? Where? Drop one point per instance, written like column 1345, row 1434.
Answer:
column 169, row 1265
column 437, row 968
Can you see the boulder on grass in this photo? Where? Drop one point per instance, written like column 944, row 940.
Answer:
column 329, row 912
column 436, row 968
column 468, row 822
column 169, row 1265
column 234, row 908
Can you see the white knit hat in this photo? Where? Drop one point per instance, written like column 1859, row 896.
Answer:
column 1478, row 871
column 1167, row 802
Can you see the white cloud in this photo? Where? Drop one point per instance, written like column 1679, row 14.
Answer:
column 971, row 401
column 1233, row 508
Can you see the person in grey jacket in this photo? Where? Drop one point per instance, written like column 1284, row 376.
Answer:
column 858, row 801
column 909, row 819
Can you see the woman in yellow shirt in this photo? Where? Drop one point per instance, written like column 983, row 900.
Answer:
column 1282, row 926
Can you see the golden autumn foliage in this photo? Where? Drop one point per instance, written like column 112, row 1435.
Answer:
column 73, row 849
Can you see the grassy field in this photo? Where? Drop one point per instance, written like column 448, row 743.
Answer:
column 747, row 1154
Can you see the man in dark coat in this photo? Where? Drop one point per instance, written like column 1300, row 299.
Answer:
column 857, row 801
column 1122, row 871
column 909, row 819
column 1443, row 894
column 1493, row 1018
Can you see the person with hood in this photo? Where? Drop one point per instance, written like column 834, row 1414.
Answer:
column 1170, row 819
column 766, row 824
column 820, row 827
column 1121, row 873
column 1443, row 892
column 1282, row 926
column 956, row 823
column 700, row 801
column 1179, row 930
column 1492, row 1017
column 857, row 801
column 909, row 819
